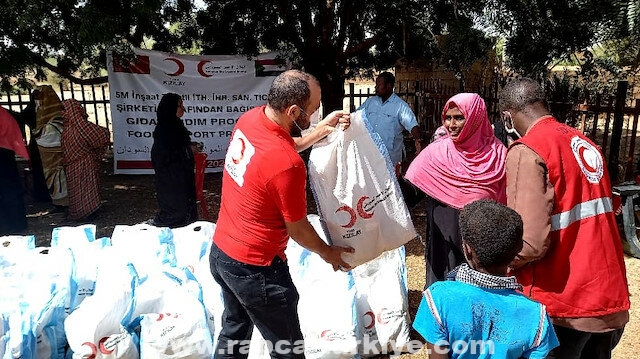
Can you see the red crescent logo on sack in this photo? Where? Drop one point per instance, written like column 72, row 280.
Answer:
column 364, row 214
column 372, row 320
column 381, row 318
column 352, row 216
column 94, row 350
column 326, row 334
column 103, row 349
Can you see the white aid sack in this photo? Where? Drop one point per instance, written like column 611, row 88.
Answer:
column 146, row 247
column 17, row 242
column 327, row 302
column 382, row 304
column 192, row 243
column 85, row 249
column 4, row 336
column 193, row 246
column 95, row 329
column 171, row 317
column 326, row 307
column 34, row 290
column 357, row 193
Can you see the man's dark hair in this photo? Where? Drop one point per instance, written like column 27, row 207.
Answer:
column 492, row 230
column 388, row 78
column 290, row 88
column 521, row 92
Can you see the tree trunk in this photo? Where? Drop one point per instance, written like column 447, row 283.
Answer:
column 332, row 93
column 331, row 77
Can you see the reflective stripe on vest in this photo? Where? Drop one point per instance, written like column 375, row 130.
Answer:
column 581, row 211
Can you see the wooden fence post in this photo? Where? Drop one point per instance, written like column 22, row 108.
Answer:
column 618, row 121
column 628, row 173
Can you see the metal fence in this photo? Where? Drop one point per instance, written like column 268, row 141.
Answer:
column 94, row 98
column 609, row 122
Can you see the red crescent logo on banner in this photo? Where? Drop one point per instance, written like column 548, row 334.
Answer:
column 364, row 214
column 352, row 216
column 201, row 68
column 180, row 69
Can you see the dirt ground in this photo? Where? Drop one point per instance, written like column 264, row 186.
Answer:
column 130, row 199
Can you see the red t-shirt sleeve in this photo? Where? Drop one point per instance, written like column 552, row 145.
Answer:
column 288, row 189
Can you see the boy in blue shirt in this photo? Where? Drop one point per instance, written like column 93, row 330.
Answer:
column 479, row 312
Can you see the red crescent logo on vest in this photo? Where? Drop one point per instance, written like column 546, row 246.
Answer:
column 589, row 159
column 352, row 216
column 585, row 162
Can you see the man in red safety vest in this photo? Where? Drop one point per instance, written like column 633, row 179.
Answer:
column 572, row 259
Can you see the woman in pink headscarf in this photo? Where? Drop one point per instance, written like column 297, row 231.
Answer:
column 466, row 165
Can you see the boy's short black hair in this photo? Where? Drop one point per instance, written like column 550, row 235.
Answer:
column 492, row 230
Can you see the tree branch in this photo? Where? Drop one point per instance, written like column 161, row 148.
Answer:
column 363, row 46
column 76, row 80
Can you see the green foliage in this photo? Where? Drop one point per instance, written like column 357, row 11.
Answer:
column 465, row 45
column 71, row 37
column 333, row 39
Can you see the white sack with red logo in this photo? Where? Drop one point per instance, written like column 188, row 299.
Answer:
column 171, row 317
column 382, row 304
column 357, row 193
column 193, row 246
column 327, row 302
column 326, row 307
column 95, row 329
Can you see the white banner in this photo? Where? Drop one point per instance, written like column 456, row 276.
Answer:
column 215, row 90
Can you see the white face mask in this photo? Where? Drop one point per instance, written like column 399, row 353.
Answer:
column 509, row 126
column 513, row 132
column 298, row 126
column 315, row 117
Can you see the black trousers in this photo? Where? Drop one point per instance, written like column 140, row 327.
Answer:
column 254, row 295
column 575, row 344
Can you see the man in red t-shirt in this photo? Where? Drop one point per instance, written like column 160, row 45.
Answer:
column 263, row 204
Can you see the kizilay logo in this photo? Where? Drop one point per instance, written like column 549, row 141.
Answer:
column 365, row 209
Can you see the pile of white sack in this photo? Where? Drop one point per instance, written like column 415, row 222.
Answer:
column 147, row 292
